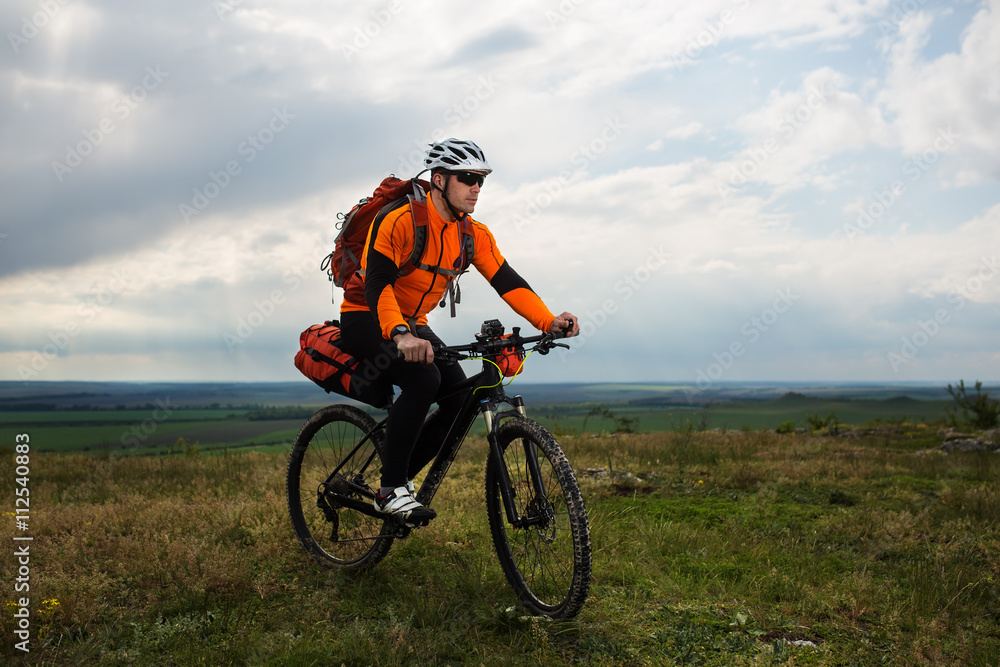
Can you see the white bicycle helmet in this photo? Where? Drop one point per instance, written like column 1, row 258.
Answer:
column 456, row 155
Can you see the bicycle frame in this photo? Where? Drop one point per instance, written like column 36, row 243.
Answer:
column 484, row 393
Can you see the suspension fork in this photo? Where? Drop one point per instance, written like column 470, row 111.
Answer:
column 531, row 457
column 530, row 452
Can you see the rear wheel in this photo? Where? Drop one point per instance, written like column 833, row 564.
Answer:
column 547, row 563
column 325, row 468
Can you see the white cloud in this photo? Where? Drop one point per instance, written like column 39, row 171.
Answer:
column 958, row 91
column 796, row 132
column 685, row 131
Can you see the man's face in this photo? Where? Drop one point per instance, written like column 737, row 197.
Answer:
column 462, row 190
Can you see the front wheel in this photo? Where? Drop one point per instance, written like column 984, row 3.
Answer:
column 336, row 460
column 547, row 563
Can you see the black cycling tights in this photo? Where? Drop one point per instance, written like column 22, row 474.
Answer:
column 412, row 437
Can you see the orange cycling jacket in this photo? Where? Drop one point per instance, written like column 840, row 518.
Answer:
column 394, row 299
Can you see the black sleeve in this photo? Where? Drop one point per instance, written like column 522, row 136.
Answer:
column 379, row 274
column 507, row 279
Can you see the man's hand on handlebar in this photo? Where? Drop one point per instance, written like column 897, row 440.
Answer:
column 414, row 349
column 567, row 324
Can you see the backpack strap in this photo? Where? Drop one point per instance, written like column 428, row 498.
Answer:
column 468, row 243
column 468, row 252
column 420, row 239
column 418, row 210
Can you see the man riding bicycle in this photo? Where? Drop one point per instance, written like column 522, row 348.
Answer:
column 390, row 328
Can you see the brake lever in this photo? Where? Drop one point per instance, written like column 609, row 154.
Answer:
column 449, row 355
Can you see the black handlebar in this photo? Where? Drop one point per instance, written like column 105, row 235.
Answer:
column 491, row 345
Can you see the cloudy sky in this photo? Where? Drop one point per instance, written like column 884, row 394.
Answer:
column 727, row 190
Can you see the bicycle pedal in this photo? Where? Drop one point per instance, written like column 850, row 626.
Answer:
column 402, row 528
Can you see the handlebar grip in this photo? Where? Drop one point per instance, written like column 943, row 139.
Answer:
column 567, row 329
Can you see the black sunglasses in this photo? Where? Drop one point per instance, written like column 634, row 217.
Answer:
column 469, row 178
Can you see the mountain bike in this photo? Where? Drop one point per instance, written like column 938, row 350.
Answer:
column 535, row 509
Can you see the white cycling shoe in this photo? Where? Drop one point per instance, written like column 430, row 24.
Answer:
column 401, row 504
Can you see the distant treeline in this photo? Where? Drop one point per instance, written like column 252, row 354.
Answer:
column 7, row 406
column 31, row 407
column 15, row 406
column 790, row 399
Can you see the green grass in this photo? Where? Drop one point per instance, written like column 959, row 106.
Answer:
column 753, row 415
column 735, row 548
column 152, row 430
column 146, row 431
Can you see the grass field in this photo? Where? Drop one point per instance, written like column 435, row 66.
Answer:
column 147, row 431
column 731, row 548
column 738, row 415
column 153, row 429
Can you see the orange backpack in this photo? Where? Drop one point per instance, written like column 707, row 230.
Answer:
column 342, row 264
